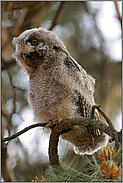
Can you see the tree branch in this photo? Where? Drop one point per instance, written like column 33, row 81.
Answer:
column 54, row 22
column 66, row 126
column 7, row 64
column 23, row 131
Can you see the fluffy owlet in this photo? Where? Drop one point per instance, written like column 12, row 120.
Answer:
column 59, row 88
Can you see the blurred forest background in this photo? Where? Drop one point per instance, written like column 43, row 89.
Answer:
column 79, row 25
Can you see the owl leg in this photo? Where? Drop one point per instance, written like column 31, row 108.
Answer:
column 53, row 123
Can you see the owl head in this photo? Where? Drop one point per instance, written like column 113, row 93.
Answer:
column 37, row 47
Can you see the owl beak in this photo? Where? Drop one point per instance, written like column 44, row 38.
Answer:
column 40, row 48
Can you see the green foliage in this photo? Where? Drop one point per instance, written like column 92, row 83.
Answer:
column 88, row 171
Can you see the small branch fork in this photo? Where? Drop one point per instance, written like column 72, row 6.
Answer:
column 66, row 126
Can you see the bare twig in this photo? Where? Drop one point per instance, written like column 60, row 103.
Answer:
column 54, row 22
column 20, row 21
column 14, row 92
column 118, row 13
column 7, row 64
column 4, row 169
column 23, row 131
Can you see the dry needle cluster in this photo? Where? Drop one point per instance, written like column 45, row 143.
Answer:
column 41, row 180
column 108, row 167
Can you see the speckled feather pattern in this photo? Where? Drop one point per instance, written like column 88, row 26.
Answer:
column 59, row 87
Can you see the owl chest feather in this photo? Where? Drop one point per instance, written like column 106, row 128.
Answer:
column 51, row 98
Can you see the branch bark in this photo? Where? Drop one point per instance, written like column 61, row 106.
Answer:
column 65, row 126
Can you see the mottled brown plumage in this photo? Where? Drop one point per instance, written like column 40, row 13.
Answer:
column 59, row 87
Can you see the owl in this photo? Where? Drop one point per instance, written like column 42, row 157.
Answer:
column 59, row 88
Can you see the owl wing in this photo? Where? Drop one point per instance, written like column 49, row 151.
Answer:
column 89, row 80
column 84, row 108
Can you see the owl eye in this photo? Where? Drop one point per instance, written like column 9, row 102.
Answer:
column 34, row 55
column 34, row 41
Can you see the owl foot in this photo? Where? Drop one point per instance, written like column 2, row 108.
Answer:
column 53, row 123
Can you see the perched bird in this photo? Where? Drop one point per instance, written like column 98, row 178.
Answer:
column 59, row 88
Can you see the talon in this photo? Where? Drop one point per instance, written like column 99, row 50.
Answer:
column 50, row 124
column 53, row 123
column 59, row 121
